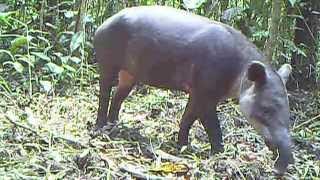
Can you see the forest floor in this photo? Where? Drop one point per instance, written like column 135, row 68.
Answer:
column 49, row 137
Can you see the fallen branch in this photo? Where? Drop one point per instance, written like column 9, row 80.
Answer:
column 306, row 122
column 71, row 142
column 13, row 121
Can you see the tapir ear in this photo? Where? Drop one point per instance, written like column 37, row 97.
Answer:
column 257, row 72
column 284, row 72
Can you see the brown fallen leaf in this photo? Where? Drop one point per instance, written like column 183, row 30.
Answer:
column 249, row 157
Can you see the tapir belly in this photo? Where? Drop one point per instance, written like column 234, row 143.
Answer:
column 165, row 74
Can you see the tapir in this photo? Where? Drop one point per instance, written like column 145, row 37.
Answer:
column 178, row 50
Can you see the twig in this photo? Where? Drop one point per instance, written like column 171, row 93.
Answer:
column 70, row 141
column 170, row 157
column 306, row 122
column 12, row 120
column 307, row 25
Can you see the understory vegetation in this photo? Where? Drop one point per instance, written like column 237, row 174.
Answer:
column 49, row 88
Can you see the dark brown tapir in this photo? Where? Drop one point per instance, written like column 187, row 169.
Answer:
column 211, row 61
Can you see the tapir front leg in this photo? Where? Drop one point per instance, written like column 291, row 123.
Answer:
column 198, row 107
column 211, row 124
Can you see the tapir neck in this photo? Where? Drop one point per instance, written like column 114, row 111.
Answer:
column 237, row 87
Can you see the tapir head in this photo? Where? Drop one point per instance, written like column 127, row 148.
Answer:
column 264, row 102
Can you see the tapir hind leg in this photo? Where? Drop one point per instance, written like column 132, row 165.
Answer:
column 188, row 118
column 106, row 80
column 125, row 85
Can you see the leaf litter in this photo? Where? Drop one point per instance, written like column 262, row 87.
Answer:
column 49, row 137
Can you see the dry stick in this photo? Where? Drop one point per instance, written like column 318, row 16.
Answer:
column 171, row 157
column 55, row 137
column 11, row 120
column 306, row 122
column 70, row 141
column 307, row 25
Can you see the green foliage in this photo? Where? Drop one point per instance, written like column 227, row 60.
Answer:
column 293, row 2
column 45, row 47
column 76, row 41
column 45, row 51
column 193, row 4
column 4, row 18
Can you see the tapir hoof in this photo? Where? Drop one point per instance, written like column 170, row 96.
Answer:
column 280, row 171
column 102, row 128
column 281, row 165
column 216, row 150
column 182, row 148
column 182, row 142
column 100, row 124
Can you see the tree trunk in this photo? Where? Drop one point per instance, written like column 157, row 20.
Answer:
column 304, row 73
column 274, row 29
column 224, row 5
column 80, row 16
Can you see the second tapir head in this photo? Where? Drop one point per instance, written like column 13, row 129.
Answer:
column 264, row 102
